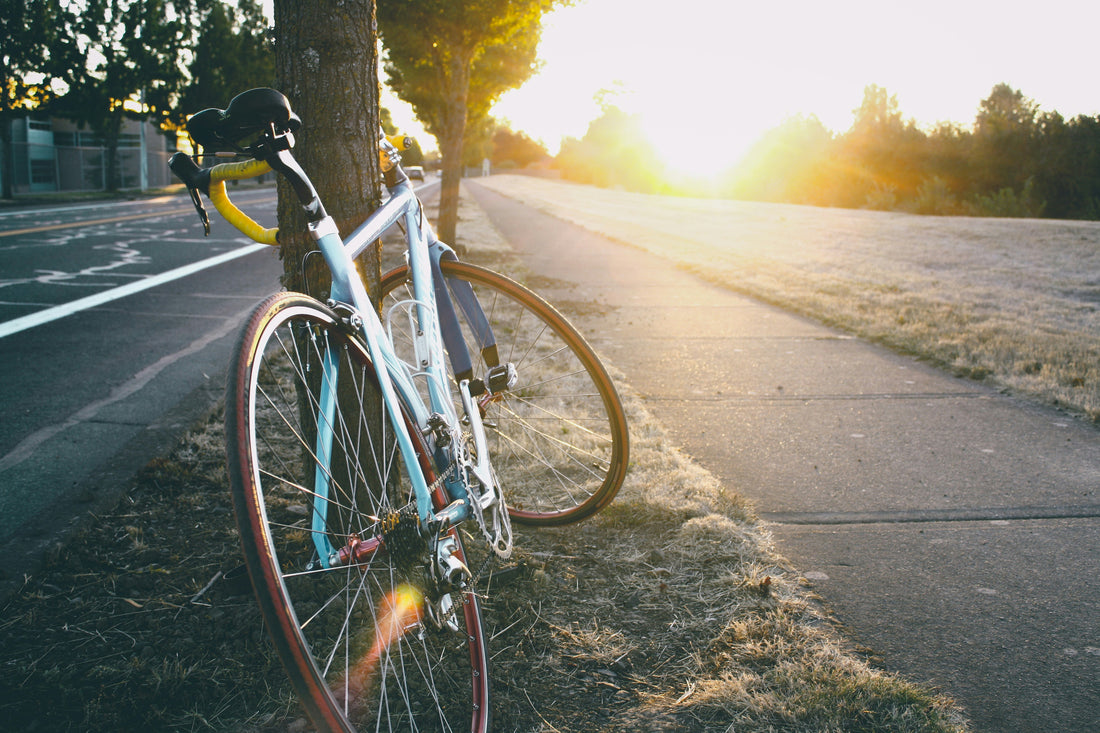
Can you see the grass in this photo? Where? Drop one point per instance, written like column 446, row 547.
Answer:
column 668, row 611
column 1010, row 301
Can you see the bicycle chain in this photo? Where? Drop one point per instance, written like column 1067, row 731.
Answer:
column 435, row 485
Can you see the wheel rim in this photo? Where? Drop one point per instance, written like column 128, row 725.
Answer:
column 357, row 641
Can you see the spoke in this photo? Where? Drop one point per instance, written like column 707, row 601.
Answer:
column 571, row 447
column 561, row 477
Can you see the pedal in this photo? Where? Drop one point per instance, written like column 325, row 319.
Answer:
column 501, row 378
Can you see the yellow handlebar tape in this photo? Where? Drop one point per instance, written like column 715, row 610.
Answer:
column 223, row 172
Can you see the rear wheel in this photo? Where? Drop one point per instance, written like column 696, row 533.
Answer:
column 372, row 643
column 558, row 436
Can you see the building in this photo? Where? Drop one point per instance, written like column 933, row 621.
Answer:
column 53, row 154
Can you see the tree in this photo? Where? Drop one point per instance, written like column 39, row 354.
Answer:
column 789, row 163
column 37, row 50
column 451, row 59
column 515, row 149
column 878, row 111
column 326, row 64
column 1004, row 139
column 233, row 51
column 881, row 149
column 614, row 152
column 132, row 67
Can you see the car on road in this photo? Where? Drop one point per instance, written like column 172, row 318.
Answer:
column 415, row 172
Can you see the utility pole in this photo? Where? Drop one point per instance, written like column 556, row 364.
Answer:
column 144, row 162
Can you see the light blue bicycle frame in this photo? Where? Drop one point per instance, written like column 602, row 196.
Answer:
column 394, row 377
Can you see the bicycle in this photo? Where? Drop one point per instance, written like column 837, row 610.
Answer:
column 370, row 446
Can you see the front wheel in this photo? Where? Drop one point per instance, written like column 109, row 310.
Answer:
column 558, row 436
column 369, row 643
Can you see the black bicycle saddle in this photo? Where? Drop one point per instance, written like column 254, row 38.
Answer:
column 247, row 114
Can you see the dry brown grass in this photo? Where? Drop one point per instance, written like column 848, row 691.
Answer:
column 669, row 611
column 672, row 611
column 1006, row 300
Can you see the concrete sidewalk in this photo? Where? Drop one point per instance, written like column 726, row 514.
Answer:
column 952, row 529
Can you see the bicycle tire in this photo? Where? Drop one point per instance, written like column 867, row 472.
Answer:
column 558, row 438
column 355, row 641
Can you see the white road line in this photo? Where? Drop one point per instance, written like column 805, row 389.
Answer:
column 67, row 309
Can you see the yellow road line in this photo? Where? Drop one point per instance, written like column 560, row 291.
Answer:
column 93, row 222
column 90, row 222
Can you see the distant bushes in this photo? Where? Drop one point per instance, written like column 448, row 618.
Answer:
column 614, row 153
column 934, row 197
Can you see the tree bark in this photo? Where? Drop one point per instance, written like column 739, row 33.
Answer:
column 326, row 63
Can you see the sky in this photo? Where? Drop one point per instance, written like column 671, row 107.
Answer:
column 717, row 74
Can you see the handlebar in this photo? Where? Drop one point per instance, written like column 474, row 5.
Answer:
column 211, row 181
column 264, row 113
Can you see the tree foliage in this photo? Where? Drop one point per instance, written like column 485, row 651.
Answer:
column 787, row 162
column 233, row 50
column 38, row 52
column 133, row 51
column 99, row 62
column 451, row 60
column 614, row 153
column 515, row 149
column 1012, row 161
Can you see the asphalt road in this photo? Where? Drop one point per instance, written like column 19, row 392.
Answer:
column 116, row 322
column 953, row 530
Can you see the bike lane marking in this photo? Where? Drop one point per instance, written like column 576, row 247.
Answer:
column 60, row 311
column 66, row 309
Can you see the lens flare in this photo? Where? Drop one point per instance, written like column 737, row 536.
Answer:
column 399, row 612
column 402, row 609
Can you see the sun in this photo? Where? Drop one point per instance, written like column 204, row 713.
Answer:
column 675, row 72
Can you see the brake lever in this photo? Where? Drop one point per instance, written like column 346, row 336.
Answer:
column 197, row 201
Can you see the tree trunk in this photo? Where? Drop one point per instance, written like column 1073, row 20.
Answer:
column 326, row 63
column 450, row 144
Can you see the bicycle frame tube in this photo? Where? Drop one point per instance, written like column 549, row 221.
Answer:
column 393, row 377
column 404, row 206
column 436, row 323
column 326, row 413
column 426, row 273
column 348, row 288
